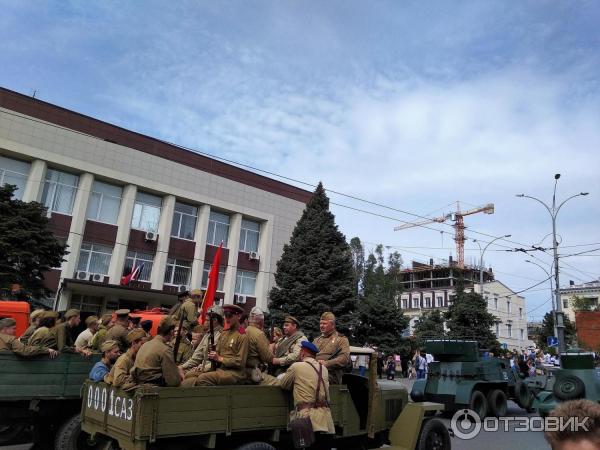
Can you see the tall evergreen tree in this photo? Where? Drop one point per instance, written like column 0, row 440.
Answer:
column 380, row 319
column 547, row 330
column 315, row 272
column 358, row 263
column 430, row 326
column 27, row 247
column 468, row 318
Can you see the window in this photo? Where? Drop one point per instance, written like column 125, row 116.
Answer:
column 497, row 329
column 14, row 172
column 508, row 306
column 59, row 191
column 87, row 303
column 439, row 301
column 496, row 304
column 245, row 282
column 249, row 236
column 105, row 201
column 137, row 259
column 146, row 212
column 415, row 302
column 522, row 334
column 565, row 304
column 218, row 229
column 178, row 271
column 184, row 221
column 205, row 273
column 427, row 302
column 94, row 258
column 404, row 303
column 509, row 330
column 520, row 313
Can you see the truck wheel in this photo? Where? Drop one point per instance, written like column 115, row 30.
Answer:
column 434, row 436
column 10, row 431
column 523, row 395
column 70, row 437
column 256, row 446
column 479, row 404
column 497, row 403
column 569, row 388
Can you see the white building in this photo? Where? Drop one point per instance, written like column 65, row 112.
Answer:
column 119, row 198
column 590, row 291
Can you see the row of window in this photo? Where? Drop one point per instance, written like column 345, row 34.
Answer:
column 509, row 331
column 508, row 307
column 95, row 258
column 60, row 189
column 427, row 302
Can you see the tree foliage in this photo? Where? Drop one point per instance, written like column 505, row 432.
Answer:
column 547, row 330
column 468, row 318
column 27, row 247
column 429, row 326
column 580, row 303
column 315, row 273
column 380, row 319
column 358, row 263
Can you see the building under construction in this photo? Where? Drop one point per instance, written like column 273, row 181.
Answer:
column 426, row 277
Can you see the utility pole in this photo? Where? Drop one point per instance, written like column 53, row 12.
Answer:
column 551, row 291
column 558, row 314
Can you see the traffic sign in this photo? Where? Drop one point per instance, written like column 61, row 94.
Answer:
column 552, row 341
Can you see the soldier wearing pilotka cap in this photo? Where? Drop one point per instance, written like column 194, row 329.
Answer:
column 8, row 341
column 334, row 348
column 119, row 375
column 120, row 329
column 287, row 350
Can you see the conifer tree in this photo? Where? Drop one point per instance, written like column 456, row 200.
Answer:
column 429, row 326
column 27, row 247
column 315, row 272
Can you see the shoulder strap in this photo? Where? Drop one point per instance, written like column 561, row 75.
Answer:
column 319, row 381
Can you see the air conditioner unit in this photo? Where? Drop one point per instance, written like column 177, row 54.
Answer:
column 150, row 236
column 97, row 277
column 82, row 275
column 241, row 299
column 253, row 256
column 182, row 288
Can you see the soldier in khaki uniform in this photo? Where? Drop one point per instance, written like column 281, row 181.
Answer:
column 199, row 361
column 8, row 341
column 185, row 351
column 119, row 375
column 34, row 319
column 63, row 331
column 304, row 378
column 334, row 348
column 44, row 336
column 287, row 350
column 230, row 355
column 154, row 363
column 106, row 322
column 120, row 329
column 197, row 334
column 188, row 309
column 259, row 353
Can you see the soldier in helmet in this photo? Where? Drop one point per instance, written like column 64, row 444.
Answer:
column 334, row 348
column 120, row 329
column 230, row 355
column 8, row 341
column 199, row 361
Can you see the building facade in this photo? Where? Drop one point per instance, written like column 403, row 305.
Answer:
column 120, row 200
column 427, row 288
column 589, row 291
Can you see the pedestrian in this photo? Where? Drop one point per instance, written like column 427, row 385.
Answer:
column 404, row 365
column 390, row 369
column 362, row 365
column 420, row 362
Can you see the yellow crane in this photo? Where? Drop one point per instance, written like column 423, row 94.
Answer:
column 459, row 226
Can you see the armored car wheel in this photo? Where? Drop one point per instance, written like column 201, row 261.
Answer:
column 70, row 437
column 434, row 436
column 479, row 404
column 497, row 403
column 523, row 395
column 256, row 446
column 569, row 388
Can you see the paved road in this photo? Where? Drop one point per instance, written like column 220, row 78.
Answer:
column 500, row 440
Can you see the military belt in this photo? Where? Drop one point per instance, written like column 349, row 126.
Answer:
column 306, row 405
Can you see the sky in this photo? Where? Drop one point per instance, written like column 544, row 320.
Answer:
column 411, row 105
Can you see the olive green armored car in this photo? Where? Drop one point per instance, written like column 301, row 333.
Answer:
column 39, row 395
column 460, row 378
column 577, row 378
column 250, row 417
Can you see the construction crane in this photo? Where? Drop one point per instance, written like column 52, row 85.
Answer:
column 459, row 226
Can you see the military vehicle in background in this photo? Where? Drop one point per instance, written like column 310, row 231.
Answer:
column 459, row 378
column 251, row 417
column 577, row 378
column 39, row 395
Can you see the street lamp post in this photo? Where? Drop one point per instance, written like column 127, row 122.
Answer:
column 551, row 292
column 481, row 252
column 558, row 314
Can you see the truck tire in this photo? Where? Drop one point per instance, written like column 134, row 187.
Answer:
column 569, row 388
column 10, row 431
column 523, row 395
column 256, row 446
column 497, row 403
column 434, row 436
column 479, row 404
column 70, row 437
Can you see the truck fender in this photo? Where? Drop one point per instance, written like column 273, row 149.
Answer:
column 417, row 393
column 404, row 433
column 463, row 392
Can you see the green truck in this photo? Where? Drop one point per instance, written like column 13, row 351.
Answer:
column 39, row 395
column 250, row 417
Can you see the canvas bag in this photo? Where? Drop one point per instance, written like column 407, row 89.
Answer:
column 303, row 435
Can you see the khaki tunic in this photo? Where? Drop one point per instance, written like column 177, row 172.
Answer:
column 63, row 336
column 287, row 350
column 200, row 356
column 11, row 343
column 118, row 333
column 28, row 333
column 328, row 346
column 119, row 375
column 184, row 352
column 98, row 338
column 303, row 380
column 43, row 337
column 233, row 347
column 154, row 364
column 190, row 314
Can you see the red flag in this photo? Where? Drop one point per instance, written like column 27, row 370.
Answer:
column 132, row 276
column 213, row 282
